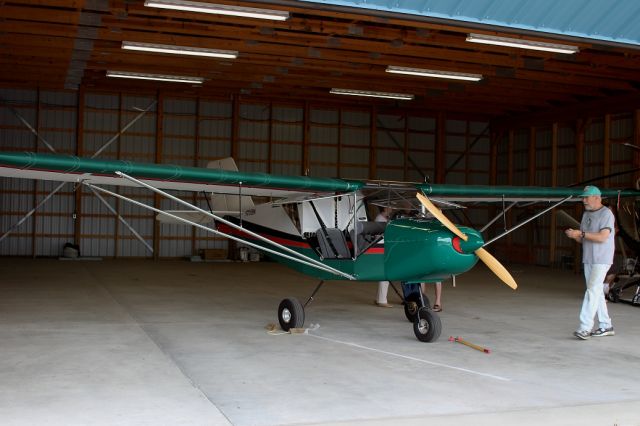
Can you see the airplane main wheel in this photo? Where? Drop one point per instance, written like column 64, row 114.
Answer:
column 290, row 314
column 413, row 304
column 427, row 326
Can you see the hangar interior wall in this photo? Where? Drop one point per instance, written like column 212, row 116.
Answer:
column 563, row 154
column 319, row 140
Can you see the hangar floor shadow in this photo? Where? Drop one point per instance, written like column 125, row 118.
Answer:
column 137, row 342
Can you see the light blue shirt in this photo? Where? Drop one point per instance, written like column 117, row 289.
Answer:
column 596, row 221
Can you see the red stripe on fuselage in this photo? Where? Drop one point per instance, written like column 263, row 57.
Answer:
column 284, row 241
column 238, row 233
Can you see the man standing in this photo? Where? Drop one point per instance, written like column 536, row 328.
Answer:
column 596, row 234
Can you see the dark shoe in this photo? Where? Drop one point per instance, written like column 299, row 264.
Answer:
column 437, row 308
column 603, row 332
column 582, row 334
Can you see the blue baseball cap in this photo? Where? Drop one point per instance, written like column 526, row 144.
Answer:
column 591, row 190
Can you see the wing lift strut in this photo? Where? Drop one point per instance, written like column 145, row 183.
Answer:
column 508, row 231
column 295, row 256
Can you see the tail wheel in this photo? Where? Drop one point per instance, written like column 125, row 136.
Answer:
column 290, row 314
column 413, row 304
column 427, row 326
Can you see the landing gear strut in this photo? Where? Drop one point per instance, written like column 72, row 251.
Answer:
column 426, row 323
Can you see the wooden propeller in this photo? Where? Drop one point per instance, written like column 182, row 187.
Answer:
column 491, row 262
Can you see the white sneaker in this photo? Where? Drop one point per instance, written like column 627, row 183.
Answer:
column 582, row 334
column 603, row 332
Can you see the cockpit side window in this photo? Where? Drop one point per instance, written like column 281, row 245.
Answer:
column 292, row 211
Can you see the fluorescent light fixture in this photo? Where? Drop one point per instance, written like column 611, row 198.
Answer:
column 158, row 77
column 403, row 96
column 434, row 73
column 524, row 44
column 219, row 9
column 179, row 50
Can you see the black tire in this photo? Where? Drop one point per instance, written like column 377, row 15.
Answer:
column 290, row 314
column 413, row 304
column 427, row 326
column 614, row 295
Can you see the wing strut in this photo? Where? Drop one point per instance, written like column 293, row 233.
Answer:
column 121, row 219
column 215, row 231
column 299, row 257
column 508, row 231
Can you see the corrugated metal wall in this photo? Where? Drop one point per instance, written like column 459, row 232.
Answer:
column 262, row 136
column 532, row 163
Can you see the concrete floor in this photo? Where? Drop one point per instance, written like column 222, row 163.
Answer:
column 180, row 343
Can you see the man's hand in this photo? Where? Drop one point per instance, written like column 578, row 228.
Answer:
column 574, row 234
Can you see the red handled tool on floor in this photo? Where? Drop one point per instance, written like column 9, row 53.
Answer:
column 471, row 345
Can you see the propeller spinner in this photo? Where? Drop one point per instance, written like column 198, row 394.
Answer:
column 491, row 262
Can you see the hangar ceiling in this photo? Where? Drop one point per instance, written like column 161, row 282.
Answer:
column 73, row 44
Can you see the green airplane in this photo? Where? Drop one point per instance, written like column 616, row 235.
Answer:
column 322, row 227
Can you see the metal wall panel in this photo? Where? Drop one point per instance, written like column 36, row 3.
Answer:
column 16, row 195
column 287, row 134
column 57, row 124
column 179, row 145
column 621, row 127
column 138, row 142
column 355, row 140
column 390, row 146
column 253, row 137
column 543, row 157
column 567, row 155
column 175, row 239
column 14, row 135
column 215, row 129
column 521, row 158
column 324, row 137
column 421, row 149
column 502, row 160
column 16, row 199
column 102, row 123
column 140, row 219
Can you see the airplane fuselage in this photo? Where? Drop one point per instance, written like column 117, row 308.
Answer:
column 411, row 250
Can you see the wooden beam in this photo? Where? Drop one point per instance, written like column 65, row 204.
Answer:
column 554, row 182
column 158, row 159
column 441, row 135
column 606, row 154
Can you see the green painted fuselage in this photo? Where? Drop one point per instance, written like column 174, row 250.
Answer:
column 414, row 250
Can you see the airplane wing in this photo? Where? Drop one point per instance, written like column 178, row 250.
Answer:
column 471, row 193
column 68, row 168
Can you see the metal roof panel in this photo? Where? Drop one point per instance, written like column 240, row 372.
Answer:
column 616, row 22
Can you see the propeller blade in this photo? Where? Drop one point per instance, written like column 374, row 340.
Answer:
column 491, row 262
column 437, row 213
column 496, row 267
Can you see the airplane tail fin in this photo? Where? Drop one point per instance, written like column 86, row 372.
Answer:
column 221, row 204
column 225, row 203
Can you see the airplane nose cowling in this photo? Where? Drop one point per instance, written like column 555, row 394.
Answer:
column 473, row 243
column 422, row 250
